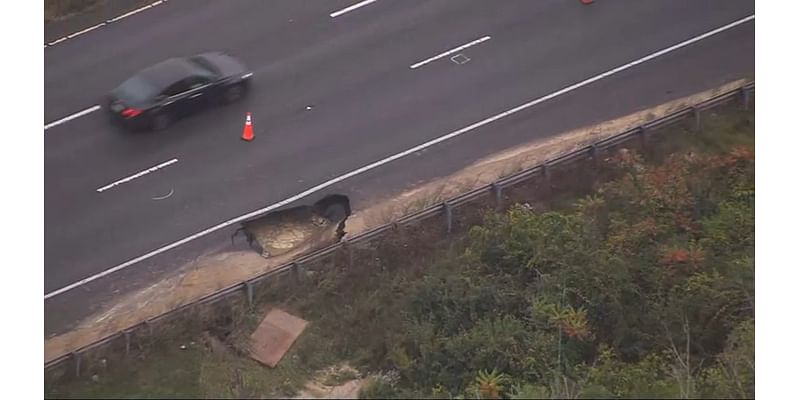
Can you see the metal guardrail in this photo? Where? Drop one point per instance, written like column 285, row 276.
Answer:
column 445, row 208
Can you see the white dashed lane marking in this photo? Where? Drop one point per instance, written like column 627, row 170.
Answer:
column 73, row 116
column 451, row 51
column 351, row 8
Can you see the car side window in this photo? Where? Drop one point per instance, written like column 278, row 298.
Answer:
column 197, row 81
column 176, row 88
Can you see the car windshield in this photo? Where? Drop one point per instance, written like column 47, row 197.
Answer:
column 136, row 91
column 206, row 67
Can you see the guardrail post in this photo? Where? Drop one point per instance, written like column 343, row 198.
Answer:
column 498, row 195
column 547, row 179
column 248, row 287
column 745, row 98
column 643, row 136
column 448, row 216
column 348, row 251
column 350, row 257
column 149, row 327
column 77, row 358
column 698, row 123
column 546, row 173
column 127, row 335
column 296, row 272
column 594, row 152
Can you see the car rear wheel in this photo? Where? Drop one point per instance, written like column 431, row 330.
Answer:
column 233, row 93
column 161, row 121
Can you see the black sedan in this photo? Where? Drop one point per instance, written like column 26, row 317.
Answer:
column 157, row 96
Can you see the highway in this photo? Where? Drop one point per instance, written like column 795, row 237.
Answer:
column 375, row 88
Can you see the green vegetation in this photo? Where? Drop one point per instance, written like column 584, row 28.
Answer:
column 642, row 289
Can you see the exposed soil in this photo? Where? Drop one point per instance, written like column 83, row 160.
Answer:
column 326, row 385
column 284, row 231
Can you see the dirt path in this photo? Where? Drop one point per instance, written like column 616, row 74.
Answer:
column 321, row 386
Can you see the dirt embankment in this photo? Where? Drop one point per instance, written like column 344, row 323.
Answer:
column 284, row 236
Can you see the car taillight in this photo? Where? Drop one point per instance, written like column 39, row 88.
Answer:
column 130, row 112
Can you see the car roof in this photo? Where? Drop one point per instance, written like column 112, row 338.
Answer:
column 169, row 71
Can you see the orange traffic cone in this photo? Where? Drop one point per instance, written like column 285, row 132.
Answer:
column 248, row 129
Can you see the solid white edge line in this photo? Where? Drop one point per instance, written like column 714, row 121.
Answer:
column 58, row 41
column 73, row 116
column 128, row 14
column 395, row 157
column 89, row 29
column 351, row 8
column 137, row 175
column 451, row 51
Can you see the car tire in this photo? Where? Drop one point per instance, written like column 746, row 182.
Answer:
column 161, row 121
column 233, row 94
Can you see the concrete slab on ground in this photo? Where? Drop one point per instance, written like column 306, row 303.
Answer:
column 274, row 336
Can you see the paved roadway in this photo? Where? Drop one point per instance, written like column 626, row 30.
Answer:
column 367, row 102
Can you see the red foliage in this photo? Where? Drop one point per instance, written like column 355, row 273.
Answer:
column 685, row 223
column 682, row 258
column 743, row 153
column 575, row 331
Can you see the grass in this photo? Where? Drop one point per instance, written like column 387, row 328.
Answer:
column 189, row 369
column 168, row 373
column 722, row 129
column 354, row 311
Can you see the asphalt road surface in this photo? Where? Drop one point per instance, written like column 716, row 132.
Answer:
column 367, row 102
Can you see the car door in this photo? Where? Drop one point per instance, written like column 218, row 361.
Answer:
column 174, row 99
column 197, row 94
